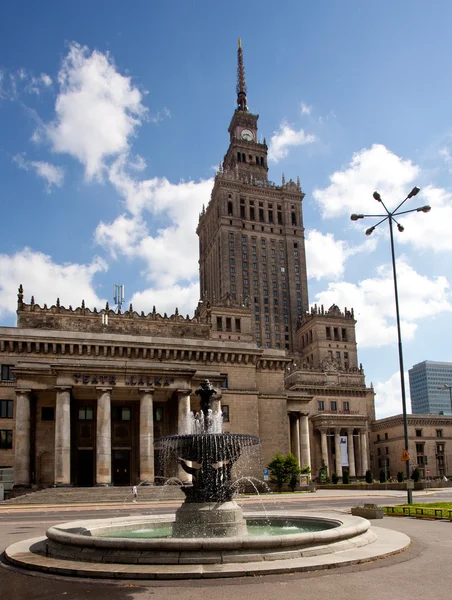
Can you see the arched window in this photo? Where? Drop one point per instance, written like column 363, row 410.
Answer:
column 243, row 157
column 239, row 157
column 294, row 219
column 230, row 211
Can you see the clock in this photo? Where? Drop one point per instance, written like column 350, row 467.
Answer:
column 247, row 135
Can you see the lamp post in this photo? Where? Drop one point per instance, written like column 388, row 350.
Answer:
column 447, row 386
column 389, row 216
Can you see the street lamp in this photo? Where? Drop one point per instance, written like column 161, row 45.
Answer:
column 389, row 216
column 447, row 386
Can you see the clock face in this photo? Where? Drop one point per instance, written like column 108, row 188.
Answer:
column 247, row 135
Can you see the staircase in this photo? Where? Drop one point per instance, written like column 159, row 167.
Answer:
column 96, row 495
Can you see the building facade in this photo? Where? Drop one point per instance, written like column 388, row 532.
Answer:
column 431, row 388
column 84, row 393
column 429, row 445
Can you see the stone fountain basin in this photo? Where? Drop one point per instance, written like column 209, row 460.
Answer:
column 83, row 541
column 216, row 447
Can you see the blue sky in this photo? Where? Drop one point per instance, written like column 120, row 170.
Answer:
column 114, row 116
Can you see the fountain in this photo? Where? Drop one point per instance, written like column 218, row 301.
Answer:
column 208, row 458
column 209, row 535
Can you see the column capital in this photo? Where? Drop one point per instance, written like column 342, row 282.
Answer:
column 184, row 392
column 337, row 430
column 23, row 391
column 323, row 429
column 350, row 430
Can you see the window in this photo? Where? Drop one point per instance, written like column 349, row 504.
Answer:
column 6, row 409
column 228, row 324
column 419, row 448
column 439, row 433
column 386, row 435
column 320, row 405
column 47, row 413
column 85, row 413
column 378, row 437
column 387, row 450
column 237, row 325
column 418, row 432
column 328, row 333
column 333, row 405
column 346, row 406
column 225, row 412
column 219, row 324
column 378, row 451
column 6, row 373
column 121, row 413
column 6, row 439
column 158, row 413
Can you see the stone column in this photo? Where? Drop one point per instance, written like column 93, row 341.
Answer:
column 63, row 437
column 337, row 446
column 147, row 435
column 103, row 432
column 295, row 436
column 351, row 453
column 304, row 441
column 183, row 408
column 364, row 459
column 324, row 445
column 22, row 439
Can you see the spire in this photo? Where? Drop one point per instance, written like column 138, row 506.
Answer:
column 241, row 85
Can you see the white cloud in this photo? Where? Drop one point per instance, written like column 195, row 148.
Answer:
column 47, row 281
column 158, row 117
column 97, row 110
column 184, row 298
column 305, row 109
column 371, row 169
column 286, row 137
column 170, row 250
column 326, row 256
column 374, row 304
column 22, row 81
column 52, row 174
column 388, row 396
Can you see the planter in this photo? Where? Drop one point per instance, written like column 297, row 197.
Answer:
column 367, row 512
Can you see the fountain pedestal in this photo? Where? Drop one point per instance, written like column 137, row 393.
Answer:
column 209, row 519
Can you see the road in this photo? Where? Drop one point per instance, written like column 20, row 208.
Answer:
column 420, row 573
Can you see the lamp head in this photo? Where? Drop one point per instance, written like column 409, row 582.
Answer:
column 400, row 227
column 370, row 230
column 355, row 217
column 377, row 196
column 425, row 208
column 413, row 192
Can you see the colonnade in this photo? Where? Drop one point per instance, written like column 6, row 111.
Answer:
column 362, row 450
column 103, row 474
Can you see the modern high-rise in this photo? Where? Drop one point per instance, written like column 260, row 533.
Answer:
column 251, row 235
column 431, row 387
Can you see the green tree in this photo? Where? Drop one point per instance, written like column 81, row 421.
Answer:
column 335, row 478
column 369, row 476
column 400, row 476
column 382, row 476
column 278, row 472
column 416, row 475
column 345, row 476
column 323, row 472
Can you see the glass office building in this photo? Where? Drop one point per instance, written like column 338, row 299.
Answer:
column 431, row 387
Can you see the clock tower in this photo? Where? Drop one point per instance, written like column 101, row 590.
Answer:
column 251, row 235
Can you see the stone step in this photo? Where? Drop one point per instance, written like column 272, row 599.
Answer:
column 96, row 495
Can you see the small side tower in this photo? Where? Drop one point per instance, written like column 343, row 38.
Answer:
column 328, row 338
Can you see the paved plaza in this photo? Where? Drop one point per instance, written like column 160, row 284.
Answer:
column 420, row 572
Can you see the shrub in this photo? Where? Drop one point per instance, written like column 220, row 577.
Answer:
column 345, row 476
column 323, row 473
column 335, row 478
column 278, row 474
column 369, row 476
column 400, row 476
column 416, row 475
column 382, row 476
column 292, row 470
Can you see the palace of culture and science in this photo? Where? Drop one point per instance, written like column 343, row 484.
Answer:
column 82, row 397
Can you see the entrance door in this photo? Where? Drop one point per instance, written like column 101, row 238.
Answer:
column 85, row 468
column 121, row 467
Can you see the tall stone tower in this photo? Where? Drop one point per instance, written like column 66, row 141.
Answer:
column 251, row 236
